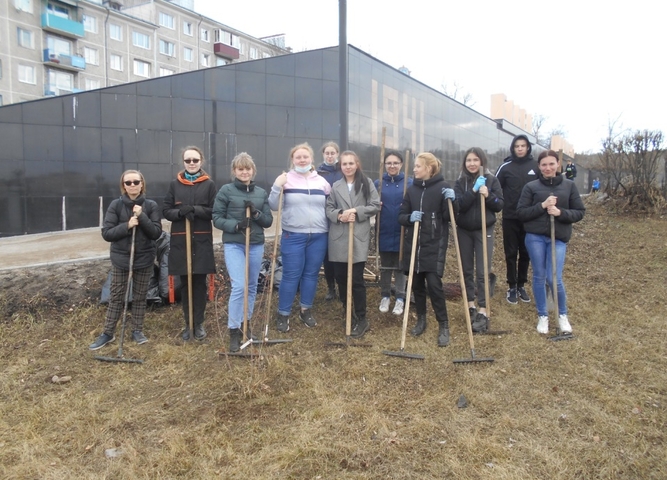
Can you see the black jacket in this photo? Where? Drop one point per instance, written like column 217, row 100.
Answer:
column 470, row 212
column 513, row 175
column 426, row 196
column 536, row 219
column 115, row 231
column 201, row 195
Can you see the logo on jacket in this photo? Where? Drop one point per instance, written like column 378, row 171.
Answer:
column 532, row 172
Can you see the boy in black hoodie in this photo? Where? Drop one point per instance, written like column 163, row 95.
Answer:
column 516, row 172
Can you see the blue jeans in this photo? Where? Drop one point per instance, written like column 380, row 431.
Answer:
column 235, row 262
column 539, row 249
column 302, row 255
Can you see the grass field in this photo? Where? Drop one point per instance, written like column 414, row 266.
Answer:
column 593, row 407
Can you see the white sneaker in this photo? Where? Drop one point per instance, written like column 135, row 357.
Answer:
column 398, row 307
column 564, row 324
column 384, row 305
column 543, row 324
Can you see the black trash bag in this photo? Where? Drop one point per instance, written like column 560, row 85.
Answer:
column 264, row 279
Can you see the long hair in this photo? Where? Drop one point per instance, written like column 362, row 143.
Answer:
column 361, row 182
column 479, row 153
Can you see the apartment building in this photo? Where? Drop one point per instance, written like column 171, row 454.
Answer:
column 55, row 47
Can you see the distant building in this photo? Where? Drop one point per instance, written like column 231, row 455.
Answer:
column 54, row 47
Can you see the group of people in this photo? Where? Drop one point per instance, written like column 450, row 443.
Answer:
column 321, row 208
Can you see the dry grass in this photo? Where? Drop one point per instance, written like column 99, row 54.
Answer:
column 593, row 407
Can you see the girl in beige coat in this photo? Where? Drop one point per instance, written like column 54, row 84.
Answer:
column 353, row 200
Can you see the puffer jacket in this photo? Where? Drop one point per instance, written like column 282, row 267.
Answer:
column 228, row 211
column 331, row 173
column 470, row 212
column 115, row 230
column 536, row 219
column 427, row 196
column 201, row 195
column 391, row 198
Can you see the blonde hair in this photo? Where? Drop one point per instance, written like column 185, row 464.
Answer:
column 430, row 161
column 243, row 160
column 304, row 146
column 137, row 172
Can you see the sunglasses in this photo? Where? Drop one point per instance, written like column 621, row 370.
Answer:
column 132, row 182
column 192, row 160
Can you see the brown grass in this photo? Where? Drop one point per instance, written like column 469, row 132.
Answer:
column 593, row 407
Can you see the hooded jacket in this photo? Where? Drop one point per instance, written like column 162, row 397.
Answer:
column 115, row 231
column 513, row 175
column 199, row 193
column 536, row 219
column 229, row 210
column 391, row 198
column 331, row 173
column 427, row 196
column 470, row 212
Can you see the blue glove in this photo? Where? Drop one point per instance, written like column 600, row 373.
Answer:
column 416, row 216
column 449, row 194
column 481, row 181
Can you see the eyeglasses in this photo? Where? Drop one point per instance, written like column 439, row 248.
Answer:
column 392, row 164
column 132, row 182
column 192, row 160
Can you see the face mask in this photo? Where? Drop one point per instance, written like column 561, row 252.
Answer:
column 305, row 169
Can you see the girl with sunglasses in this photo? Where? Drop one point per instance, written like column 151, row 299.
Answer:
column 132, row 211
column 190, row 197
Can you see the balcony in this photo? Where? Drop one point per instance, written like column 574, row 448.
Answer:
column 66, row 62
column 63, row 26
column 225, row 51
column 52, row 91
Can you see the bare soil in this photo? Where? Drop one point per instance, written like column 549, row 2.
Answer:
column 592, row 407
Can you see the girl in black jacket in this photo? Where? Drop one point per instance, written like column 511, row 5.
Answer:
column 472, row 185
column 191, row 196
column 426, row 202
column 131, row 211
column 550, row 195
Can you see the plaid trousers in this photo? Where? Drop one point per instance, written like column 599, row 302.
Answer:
column 140, row 279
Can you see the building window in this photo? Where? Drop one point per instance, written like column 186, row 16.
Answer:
column 27, row 74
column 91, row 84
column 23, row 5
column 59, row 46
column 58, row 10
column 141, row 40
column 205, row 60
column 167, row 48
column 25, row 38
column 187, row 54
column 220, row 61
column 116, row 62
column 91, row 55
column 90, row 24
column 253, row 53
column 187, row 28
column 63, row 81
column 166, row 20
column 204, row 35
column 166, row 71
column 115, row 32
column 142, row 69
column 227, row 38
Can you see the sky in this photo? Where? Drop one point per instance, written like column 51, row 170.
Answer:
column 581, row 64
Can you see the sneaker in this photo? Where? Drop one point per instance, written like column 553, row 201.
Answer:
column 543, row 324
column 384, row 304
column 398, row 307
column 101, row 341
column 307, row 318
column 443, row 335
column 282, row 323
column 564, row 324
column 511, row 296
column 480, row 323
column 360, row 328
column 186, row 334
column 523, row 295
column 139, row 337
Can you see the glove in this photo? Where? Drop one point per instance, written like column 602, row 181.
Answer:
column 183, row 210
column 480, row 182
column 416, row 216
column 253, row 210
column 449, row 194
column 243, row 224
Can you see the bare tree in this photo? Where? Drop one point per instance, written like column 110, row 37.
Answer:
column 538, row 127
column 457, row 93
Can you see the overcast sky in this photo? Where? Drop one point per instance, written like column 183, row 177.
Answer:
column 580, row 63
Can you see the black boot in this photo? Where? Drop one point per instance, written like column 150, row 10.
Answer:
column 235, row 335
column 420, row 327
column 480, row 323
column 200, row 332
column 186, row 335
column 360, row 328
column 331, row 294
column 443, row 334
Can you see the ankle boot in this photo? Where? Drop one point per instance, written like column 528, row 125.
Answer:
column 186, row 335
column 235, row 335
column 200, row 332
column 331, row 294
column 443, row 334
column 420, row 327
